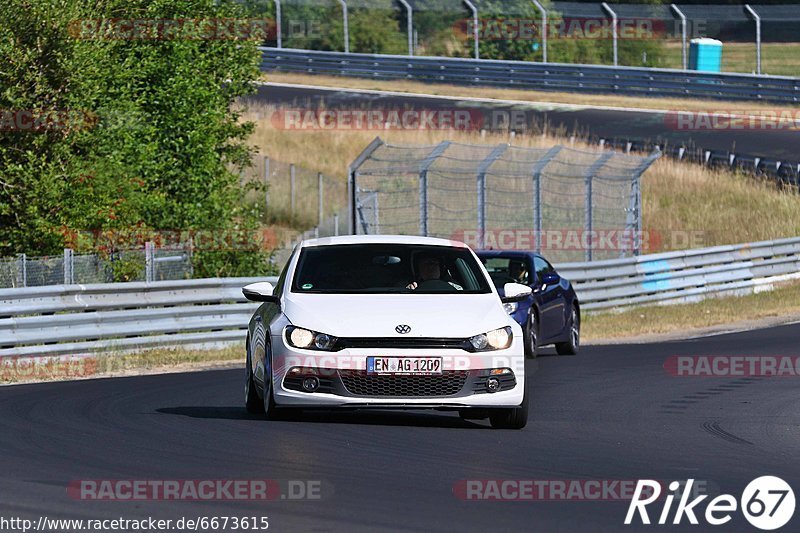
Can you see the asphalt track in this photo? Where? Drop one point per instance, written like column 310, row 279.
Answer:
column 644, row 127
column 612, row 412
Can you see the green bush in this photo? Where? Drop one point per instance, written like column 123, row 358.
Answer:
column 157, row 144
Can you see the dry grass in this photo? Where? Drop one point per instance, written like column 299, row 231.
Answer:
column 684, row 204
column 782, row 301
column 161, row 360
column 534, row 97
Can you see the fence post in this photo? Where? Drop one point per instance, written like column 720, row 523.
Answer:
column 346, row 26
column 336, row 224
column 409, row 26
column 320, row 193
column 614, row 32
column 22, row 270
column 149, row 263
column 266, row 183
column 278, row 23
column 588, row 208
column 291, row 186
column 543, row 11
column 423, row 185
column 68, row 266
column 475, row 37
column 538, row 168
column 483, row 168
column 681, row 16
column 757, row 20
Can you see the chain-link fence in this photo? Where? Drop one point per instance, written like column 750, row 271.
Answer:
column 573, row 205
column 632, row 34
column 300, row 196
column 147, row 264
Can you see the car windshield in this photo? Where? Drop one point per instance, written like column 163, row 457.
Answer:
column 504, row 270
column 388, row 268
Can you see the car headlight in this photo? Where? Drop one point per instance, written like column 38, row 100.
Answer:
column 510, row 307
column 497, row 339
column 309, row 340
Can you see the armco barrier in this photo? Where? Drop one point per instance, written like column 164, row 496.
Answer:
column 684, row 276
column 538, row 76
column 80, row 319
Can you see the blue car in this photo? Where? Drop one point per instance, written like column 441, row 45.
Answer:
column 552, row 313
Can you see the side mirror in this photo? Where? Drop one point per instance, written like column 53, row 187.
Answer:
column 260, row 292
column 515, row 292
column 550, row 278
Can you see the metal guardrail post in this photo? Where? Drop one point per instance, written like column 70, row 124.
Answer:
column 69, row 277
column 757, row 19
column 543, row 11
column 474, row 10
column 345, row 21
column 278, row 31
column 677, row 11
column 410, row 26
column 614, row 32
column 22, row 270
column 588, row 206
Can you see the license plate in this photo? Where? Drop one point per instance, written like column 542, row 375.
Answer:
column 419, row 366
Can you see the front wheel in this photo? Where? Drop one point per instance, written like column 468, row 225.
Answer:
column 573, row 344
column 529, row 335
column 513, row 418
column 252, row 402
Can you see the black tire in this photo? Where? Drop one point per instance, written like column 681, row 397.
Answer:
column 513, row 418
column 572, row 346
column 530, row 335
column 252, row 402
column 270, row 410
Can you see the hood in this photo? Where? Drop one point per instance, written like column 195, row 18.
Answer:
column 376, row 315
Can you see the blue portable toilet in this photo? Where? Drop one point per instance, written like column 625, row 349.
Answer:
column 705, row 54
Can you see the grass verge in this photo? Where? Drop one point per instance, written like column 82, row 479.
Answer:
column 784, row 300
column 156, row 361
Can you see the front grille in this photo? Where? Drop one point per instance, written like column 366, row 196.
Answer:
column 402, row 342
column 359, row 383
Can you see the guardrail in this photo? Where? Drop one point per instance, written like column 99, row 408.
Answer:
column 81, row 319
column 538, row 76
column 684, row 276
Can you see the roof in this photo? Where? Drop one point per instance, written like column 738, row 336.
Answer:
column 381, row 239
column 506, row 253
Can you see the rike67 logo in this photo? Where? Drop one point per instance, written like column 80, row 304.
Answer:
column 767, row 503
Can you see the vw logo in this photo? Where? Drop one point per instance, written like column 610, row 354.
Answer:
column 402, row 329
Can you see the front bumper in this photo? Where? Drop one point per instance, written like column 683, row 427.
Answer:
column 344, row 382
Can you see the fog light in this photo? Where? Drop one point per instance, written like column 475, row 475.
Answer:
column 311, row 384
column 492, row 385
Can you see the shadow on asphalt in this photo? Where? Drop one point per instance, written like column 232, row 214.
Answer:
column 376, row 418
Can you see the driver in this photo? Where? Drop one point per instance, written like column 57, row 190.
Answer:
column 517, row 271
column 429, row 268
